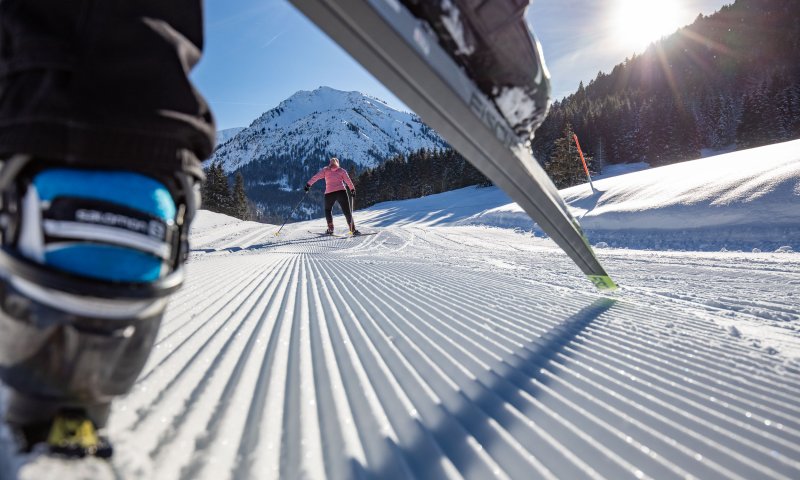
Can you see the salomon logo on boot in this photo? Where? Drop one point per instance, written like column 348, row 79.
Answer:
column 116, row 226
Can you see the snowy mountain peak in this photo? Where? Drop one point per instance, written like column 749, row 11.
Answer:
column 306, row 102
column 226, row 134
column 311, row 126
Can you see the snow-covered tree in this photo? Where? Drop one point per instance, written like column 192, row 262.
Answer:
column 565, row 167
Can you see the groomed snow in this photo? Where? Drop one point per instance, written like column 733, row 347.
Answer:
column 439, row 349
column 737, row 201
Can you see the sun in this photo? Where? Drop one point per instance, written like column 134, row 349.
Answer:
column 638, row 23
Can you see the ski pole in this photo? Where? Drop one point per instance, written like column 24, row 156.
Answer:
column 292, row 212
column 350, row 200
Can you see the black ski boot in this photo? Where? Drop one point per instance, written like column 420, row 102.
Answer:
column 491, row 40
column 88, row 260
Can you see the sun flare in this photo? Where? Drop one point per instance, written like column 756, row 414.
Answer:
column 636, row 23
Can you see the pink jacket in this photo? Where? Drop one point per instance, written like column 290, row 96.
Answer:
column 335, row 178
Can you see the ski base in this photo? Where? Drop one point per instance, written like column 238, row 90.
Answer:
column 342, row 235
column 325, row 234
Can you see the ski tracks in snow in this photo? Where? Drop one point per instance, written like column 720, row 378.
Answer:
column 462, row 353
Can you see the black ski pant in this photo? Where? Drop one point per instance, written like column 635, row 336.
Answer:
column 343, row 198
column 103, row 83
column 99, row 84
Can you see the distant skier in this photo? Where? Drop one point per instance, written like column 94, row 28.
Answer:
column 338, row 188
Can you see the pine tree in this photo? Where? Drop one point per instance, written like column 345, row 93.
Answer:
column 239, row 199
column 223, row 192
column 725, row 131
column 216, row 192
column 751, row 132
column 599, row 160
column 209, row 186
column 565, row 167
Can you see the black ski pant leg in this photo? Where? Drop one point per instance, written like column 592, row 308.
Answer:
column 330, row 200
column 104, row 83
column 99, row 84
column 344, row 203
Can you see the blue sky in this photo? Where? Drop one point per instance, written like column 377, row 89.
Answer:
column 259, row 52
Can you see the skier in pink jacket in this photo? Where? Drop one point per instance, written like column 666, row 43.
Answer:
column 337, row 183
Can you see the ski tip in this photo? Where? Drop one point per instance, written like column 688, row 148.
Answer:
column 603, row 282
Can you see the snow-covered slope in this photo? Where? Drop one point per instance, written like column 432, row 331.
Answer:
column 311, row 126
column 463, row 353
column 449, row 351
column 226, row 134
column 752, row 188
column 738, row 201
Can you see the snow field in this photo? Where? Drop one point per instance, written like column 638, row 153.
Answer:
column 446, row 347
column 411, row 354
column 746, row 201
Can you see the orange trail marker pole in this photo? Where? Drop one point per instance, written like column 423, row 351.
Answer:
column 583, row 160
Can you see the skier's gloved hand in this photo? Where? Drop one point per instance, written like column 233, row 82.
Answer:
column 307, row 187
column 353, row 193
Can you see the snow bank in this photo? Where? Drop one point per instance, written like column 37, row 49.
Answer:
column 206, row 220
column 741, row 200
column 737, row 201
column 620, row 169
column 752, row 187
column 213, row 231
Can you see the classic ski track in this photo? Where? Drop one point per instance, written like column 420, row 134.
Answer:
column 397, row 332
column 454, row 372
column 371, row 420
column 456, row 353
column 742, row 308
column 197, row 343
column 197, row 346
column 767, row 397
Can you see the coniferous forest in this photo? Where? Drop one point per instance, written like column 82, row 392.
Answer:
column 728, row 81
column 218, row 196
column 421, row 173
